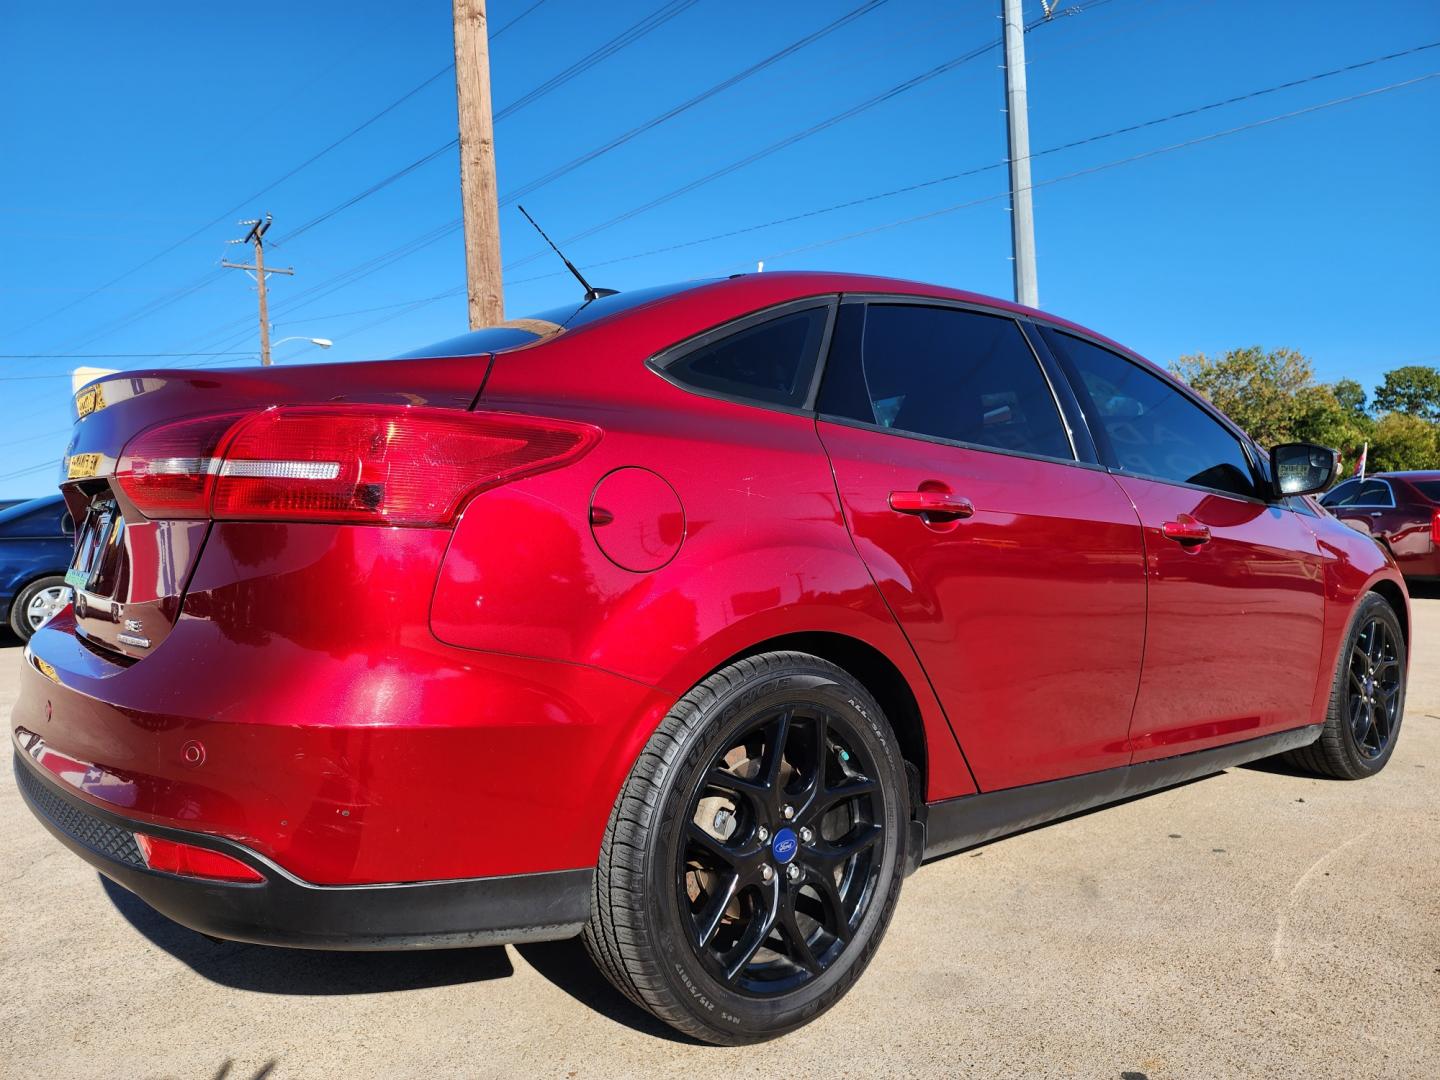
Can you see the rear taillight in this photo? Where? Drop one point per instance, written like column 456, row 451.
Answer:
column 361, row 464
column 1435, row 528
column 191, row 861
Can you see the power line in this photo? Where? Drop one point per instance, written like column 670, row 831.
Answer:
column 496, row 35
column 115, row 356
column 243, row 203
column 1002, row 162
column 685, row 106
column 653, row 21
column 1144, row 154
column 634, row 33
column 790, row 140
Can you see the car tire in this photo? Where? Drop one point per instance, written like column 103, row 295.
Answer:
column 19, row 609
column 682, row 890
column 1367, row 698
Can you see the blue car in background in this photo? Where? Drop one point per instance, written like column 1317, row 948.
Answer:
column 36, row 539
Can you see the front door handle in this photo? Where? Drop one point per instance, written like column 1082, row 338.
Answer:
column 932, row 505
column 1186, row 532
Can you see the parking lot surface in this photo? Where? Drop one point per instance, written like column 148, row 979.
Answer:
column 1254, row 923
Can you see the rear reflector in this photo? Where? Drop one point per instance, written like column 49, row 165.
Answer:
column 360, row 464
column 1435, row 528
column 191, row 861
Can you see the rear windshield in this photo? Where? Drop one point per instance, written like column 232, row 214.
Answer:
column 513, row 333
column 1429, row 488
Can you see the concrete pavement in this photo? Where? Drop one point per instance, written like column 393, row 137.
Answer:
column 1255, row 923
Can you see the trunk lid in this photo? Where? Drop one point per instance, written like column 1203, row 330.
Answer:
column 130, row 572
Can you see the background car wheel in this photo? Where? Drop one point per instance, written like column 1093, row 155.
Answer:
column 36, row 603
column 754, row 856
column 1367, row 700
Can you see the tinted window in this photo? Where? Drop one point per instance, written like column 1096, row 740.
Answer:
column 1341, row 494
column 1153, row 429
column 1428, row 488
column 946, row 373
column 771, row 361
column 1373, row 493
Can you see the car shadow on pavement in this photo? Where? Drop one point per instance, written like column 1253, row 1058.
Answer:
column 566, row 965
column 267, row 970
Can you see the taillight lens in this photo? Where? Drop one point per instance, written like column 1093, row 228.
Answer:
column 169, row 471
column 1435, row 528
column 361, row 464
column 192, row 861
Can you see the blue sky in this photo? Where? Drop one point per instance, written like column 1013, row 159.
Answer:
column 127, row 129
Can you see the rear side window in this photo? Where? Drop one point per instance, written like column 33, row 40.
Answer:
column 946, row 373
column 771, row 361
column 1428, row 488
column 1153, row 429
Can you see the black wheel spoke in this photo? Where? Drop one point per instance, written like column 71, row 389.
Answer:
column 836, row 920
column 858, row 840
column 757, row 794
column 826, row 799
column 713, row 847
column 709, row 920
column 798, row 946
column 775, row 750
column 759, row 929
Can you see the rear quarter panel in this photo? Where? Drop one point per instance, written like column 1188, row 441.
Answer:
column 763, row 547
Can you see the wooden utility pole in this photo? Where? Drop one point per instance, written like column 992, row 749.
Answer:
column 477, row 164
column 256, row 236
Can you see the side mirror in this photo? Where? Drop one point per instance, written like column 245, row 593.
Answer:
column 1302, row 468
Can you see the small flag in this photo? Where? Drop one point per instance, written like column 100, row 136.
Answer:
column 1360, row 465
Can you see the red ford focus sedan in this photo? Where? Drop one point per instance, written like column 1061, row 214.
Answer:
column 690, row 620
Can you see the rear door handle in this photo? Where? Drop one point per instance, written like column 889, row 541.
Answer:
column 940, row 505
column 1186, row 532
column 1376, row 513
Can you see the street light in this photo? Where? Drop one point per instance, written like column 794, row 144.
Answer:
column 323, row 342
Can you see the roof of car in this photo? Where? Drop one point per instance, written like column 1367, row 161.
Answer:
column 759, row 289
column 24, row 509
column 1409, row 474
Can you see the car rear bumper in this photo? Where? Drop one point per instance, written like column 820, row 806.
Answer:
column 283, row 910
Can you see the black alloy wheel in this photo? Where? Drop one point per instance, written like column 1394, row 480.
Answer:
column 1374, row 687
column 755, row 853
column 778, row 860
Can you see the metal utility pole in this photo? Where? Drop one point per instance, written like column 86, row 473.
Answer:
column 477, row 164
column 256, row 236
column 1022, row 218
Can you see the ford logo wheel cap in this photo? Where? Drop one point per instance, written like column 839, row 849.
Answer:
column 785, row 845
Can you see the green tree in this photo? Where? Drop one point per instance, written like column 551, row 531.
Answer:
column 1413, row 389
column 1319, row 416
column 1404, row 442
column 1255, row 388
column 1351, row 396
column 1274, row 396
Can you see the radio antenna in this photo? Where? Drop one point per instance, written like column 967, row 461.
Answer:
column 591, row 293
